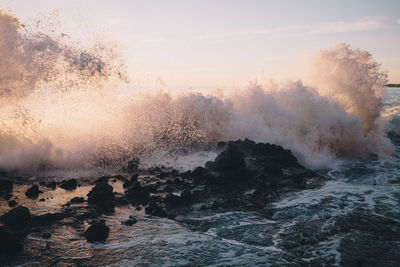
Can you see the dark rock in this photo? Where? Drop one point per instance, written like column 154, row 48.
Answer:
column 100, row 193
column 7, row 196
column 51, row 185
column 130, row 222
column 12, row 203
column 103, row 179
column 77, row 200
column 69, row 184
column 97, row 232
column 48, row 218
column 221, row 145
column 17, row 217
column 172, row 199
column 186, row 194
column 46, row 235
column 132, row 165
column 9, row 243
column 231, row 159
column 5, row 186
column 138, row 194
column 32, row 192
column 155, row 210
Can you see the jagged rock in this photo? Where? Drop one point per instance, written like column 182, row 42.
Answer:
column 69, row 184
column 97, row 232
column 100, row 193
column 229, row 160
column 9, row 243
column 32, row 192
column 17, row 217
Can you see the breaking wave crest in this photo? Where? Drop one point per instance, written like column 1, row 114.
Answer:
column 62, row 107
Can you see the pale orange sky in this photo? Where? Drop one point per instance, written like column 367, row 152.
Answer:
column 209, row 44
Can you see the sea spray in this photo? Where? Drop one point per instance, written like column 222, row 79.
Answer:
column 60, row 111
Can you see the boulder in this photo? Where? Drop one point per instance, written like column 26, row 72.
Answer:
column 77, row 200
column 100, row 193
column 138, row 194
column 8, row 243
column 32, row 192
column 69, row 184
column 18, row 216
column 97, row 232
column 12, row 203
column 231, row 159
column 5, row 186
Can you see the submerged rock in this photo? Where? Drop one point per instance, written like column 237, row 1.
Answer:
column 18, row 216
column 69, row 184
column 97, row 232
column 9, row 243
column 130, row 222
column 32, row 192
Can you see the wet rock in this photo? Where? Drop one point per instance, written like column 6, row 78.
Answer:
column 100, row 193
column 18, row 216
column 172, row 199
column 133, row 165
column 5, row 186
column 47, row 218
column 12, row 203
column 77, row 200
column 130, row 182
column 51, row 185
column 97, row 232
column 103, row 179
column 9, row 243
column 155, row 210
column 231, row 159
column 46, row 235
column 138, row 194
column 130, row 222
column 221, row 145
column 69, row 184
column 32, row 192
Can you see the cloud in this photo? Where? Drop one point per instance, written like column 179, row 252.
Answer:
column 398, row 21
column 363, row 24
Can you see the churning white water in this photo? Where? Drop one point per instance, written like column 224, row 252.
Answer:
column 62, row 107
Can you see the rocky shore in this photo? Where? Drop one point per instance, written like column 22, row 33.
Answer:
column 245, row 176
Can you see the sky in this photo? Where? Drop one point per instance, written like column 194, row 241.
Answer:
column 220, row 43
